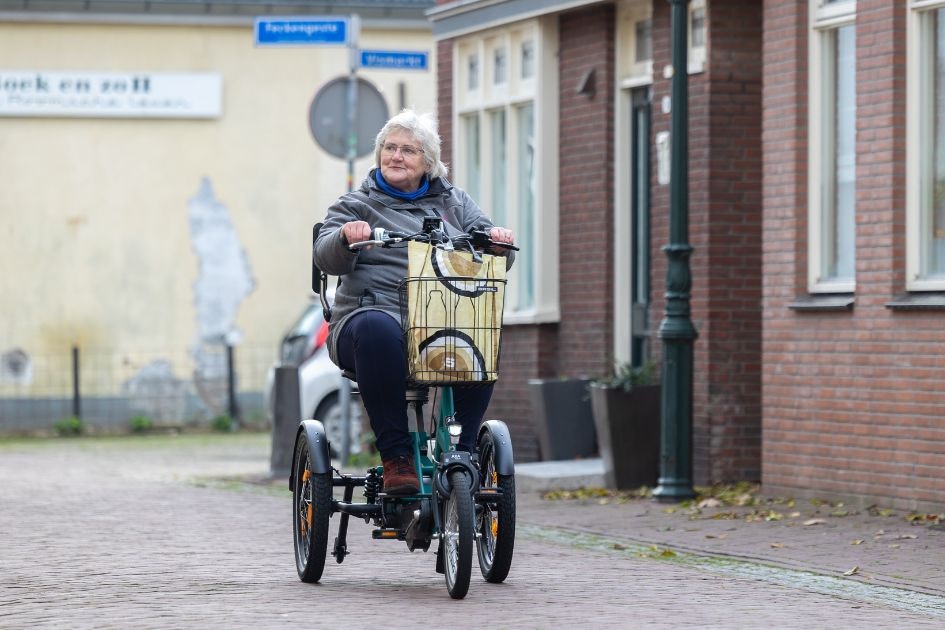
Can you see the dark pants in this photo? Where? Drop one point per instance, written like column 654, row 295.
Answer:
column 371, row 345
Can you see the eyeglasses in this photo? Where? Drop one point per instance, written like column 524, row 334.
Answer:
column 405, row 150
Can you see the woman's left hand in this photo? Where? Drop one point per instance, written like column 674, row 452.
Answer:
column 502, row 235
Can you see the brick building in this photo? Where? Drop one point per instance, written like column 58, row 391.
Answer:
column 819, row 264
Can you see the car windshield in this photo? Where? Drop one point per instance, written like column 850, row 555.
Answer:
column 308, row 322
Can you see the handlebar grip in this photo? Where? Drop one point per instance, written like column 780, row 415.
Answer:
column 482, row 239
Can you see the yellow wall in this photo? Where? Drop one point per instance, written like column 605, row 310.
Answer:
column 95, row 245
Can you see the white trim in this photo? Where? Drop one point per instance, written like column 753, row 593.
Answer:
column 541, row 92
column 455, row 9
column 823, row 20
column 629, row 13
column 917, row 48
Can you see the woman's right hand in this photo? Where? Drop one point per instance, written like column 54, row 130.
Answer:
column 356, row 231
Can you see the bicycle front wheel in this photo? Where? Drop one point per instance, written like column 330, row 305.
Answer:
column 458, row 534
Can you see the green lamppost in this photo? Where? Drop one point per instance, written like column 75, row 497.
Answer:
column 676, row 329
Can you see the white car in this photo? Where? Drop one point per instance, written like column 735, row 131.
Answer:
column 304, row 345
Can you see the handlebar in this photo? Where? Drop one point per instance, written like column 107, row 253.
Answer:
column 475, row 240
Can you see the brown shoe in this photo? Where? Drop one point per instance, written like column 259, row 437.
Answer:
column 400, row 477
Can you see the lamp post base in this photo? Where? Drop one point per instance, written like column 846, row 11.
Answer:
column 673, row 490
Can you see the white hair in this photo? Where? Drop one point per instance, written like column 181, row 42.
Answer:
column 423, row 129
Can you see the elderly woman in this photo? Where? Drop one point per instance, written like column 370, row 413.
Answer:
column 365, row 336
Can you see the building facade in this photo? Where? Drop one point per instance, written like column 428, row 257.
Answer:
column 585, row 85
column 159, row 184
column 817, row 278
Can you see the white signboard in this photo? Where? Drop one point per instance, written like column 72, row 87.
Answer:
column 110, row 94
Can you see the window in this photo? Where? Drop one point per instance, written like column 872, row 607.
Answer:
column 832, row 148
column 509, row 169
column 697, row 36
column 925, row 207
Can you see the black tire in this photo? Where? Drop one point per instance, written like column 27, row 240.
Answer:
column 496, row 524
column 311, row 505
column 458, row 534
column 329, row 414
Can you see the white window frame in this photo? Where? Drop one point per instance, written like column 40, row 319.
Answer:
column 541, row 91
column 631, row 73
column 918, row 154
column 823, row 17
column 697, row 54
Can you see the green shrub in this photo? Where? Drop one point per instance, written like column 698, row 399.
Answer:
column 140, row 424
column 625, row 376
column 69, row 426
column 222, row 423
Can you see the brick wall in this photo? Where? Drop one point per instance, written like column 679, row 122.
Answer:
column 725, row 230
column 853, row 402
column 586, row 153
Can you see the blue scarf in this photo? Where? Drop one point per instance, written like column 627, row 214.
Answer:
column 393, row 192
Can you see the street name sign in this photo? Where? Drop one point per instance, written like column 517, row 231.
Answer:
column 303, row 30
column 394, row 59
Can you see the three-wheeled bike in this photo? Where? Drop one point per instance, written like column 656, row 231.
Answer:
column 466, row 499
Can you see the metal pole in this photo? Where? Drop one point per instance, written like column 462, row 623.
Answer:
column 76, row 394
column 344, row 393
column 676, row 329
column 232, row 406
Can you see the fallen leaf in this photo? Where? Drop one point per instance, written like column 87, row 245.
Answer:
column 667, row 553
column 815, row 521
column 881, row 532
column 895, row 546
column 619, row 547
column 711, row 502
column 852, row 571
column 858, row 541
column 669, row 510
column 906, row 536
column 840, row 513
column 795, row 514
column 777, row 545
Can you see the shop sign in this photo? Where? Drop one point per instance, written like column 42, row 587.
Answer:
column 32, row 93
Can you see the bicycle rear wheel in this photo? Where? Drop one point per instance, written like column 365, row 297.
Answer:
column 458, row 534
column 311, row 500
column 497, row 522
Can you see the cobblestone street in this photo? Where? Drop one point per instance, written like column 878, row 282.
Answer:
column 147, row 533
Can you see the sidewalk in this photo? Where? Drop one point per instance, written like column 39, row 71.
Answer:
column 875, row 547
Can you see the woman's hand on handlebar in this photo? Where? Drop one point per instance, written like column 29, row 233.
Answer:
column 355, row 232
column 501, row 235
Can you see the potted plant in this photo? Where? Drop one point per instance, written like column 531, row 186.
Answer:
column 563, row 419
column 626, row 411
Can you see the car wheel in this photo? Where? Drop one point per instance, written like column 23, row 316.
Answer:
column 329, row 414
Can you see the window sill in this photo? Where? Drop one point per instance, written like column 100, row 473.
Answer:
column 823, row 302
column 531, row 316
column 918, row 302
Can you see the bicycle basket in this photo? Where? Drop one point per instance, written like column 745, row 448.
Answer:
column 452, row 321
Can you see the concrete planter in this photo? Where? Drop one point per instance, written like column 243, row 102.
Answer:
column 563, row 418
column 628, row 432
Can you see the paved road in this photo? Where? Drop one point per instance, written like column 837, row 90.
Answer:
column 141, row 533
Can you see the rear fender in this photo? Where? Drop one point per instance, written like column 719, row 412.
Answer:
column 504, row 461
column 313, row 433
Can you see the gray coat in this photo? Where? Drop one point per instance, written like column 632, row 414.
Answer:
column 371, row 277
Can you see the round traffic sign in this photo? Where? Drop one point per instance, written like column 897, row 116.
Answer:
column 328, row 116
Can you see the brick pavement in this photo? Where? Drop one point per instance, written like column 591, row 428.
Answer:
column 115, row 534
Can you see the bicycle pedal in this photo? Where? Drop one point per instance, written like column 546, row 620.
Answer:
column 387, row 534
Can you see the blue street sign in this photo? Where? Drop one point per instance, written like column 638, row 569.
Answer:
column 394, row 59
column 303, row 30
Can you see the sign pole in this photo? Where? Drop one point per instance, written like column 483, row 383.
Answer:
column 344, row 393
